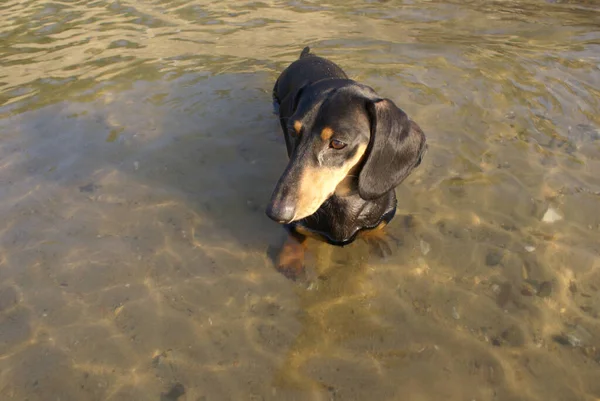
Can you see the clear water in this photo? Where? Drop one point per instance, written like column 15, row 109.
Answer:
column 138, row 151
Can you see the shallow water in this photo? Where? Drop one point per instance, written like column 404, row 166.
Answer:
column 138, row 151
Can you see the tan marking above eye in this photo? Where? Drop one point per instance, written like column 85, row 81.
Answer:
column 297, row 127
column 326, row 133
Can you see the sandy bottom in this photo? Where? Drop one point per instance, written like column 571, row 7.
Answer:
column 139, row 270
column 138, row 152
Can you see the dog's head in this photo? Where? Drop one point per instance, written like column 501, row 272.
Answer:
column 346, row 140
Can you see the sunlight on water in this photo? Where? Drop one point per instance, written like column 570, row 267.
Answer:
column 138, row 153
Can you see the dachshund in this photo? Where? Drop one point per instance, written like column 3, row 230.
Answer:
column 348, row 150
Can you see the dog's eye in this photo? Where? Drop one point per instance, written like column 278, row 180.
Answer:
column 337, row 144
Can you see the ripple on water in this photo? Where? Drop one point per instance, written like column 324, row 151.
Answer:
column 138, row 153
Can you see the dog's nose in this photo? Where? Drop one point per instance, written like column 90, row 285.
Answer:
column 281, row 213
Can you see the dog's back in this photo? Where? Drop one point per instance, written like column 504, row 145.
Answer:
column 308, row 69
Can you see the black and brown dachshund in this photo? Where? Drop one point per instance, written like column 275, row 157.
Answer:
column 348, row 150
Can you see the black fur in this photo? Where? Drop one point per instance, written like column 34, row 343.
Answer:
column 318, row 93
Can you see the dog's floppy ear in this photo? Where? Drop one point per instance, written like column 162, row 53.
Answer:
column 396, row 147
column 290, row 103
column 288, row 107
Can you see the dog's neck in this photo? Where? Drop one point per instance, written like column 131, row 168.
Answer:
column 340, row 218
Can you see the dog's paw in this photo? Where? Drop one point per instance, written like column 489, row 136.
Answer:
column 290, row 261
column 292, row 266
column 295, row 273
column 381, row 243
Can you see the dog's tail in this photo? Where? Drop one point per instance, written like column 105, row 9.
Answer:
column 305, row 52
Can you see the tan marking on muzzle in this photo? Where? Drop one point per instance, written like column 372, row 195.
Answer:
column 349, row 183
column 326, row 133
column 318, row 184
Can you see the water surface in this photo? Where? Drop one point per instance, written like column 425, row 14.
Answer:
column 138, row 151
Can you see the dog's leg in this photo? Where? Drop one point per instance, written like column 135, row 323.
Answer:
column 378, row 240
column 290, row 261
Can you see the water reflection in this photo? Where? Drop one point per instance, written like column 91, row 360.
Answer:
column 139, row 150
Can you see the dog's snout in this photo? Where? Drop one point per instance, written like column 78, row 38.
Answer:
column 281, row 213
